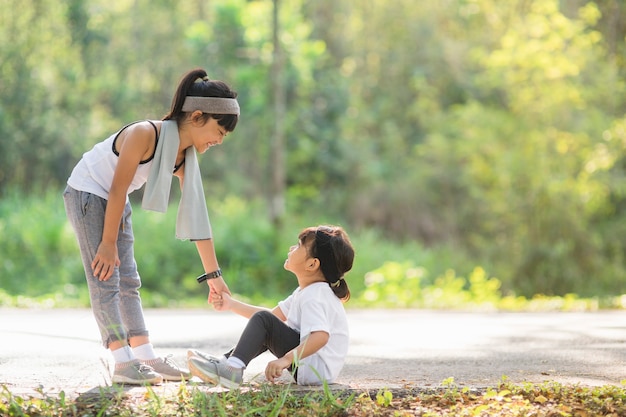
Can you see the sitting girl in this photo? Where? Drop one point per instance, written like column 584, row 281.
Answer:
column 307, row 332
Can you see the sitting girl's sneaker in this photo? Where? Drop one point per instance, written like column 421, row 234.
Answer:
column 135, row 373
column 216, row 371
column 193, row 352
column 168, row 369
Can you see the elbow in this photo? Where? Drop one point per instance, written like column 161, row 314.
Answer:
column 321, row 338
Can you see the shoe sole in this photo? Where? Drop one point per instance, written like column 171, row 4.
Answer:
column 201, row 374
column 122, row 380
column 208, row 376
column 227, row 383
column 175, row 378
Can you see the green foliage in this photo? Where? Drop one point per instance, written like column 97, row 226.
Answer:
column 42, row 263
column 482, row 130
column 504, row 173
column 506, row 399
column 403, row 285
column 38, row 248
column 39, row 117
column 384, row 398
column 267, row 400
column 250, row 250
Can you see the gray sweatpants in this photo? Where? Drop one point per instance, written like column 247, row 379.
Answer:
column 116, row 303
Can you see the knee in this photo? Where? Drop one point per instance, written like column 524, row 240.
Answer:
column 262, row 316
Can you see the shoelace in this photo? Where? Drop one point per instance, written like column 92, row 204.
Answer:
column 142, row 368
column 169, row 361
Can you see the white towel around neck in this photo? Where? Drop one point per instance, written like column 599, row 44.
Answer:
column 192, row 220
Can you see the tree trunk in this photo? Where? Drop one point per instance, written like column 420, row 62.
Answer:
column 277, row 157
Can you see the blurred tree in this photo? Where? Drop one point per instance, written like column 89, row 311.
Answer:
column 42, row 92
column 409, row 65
column 523, row 163
column 494, row 127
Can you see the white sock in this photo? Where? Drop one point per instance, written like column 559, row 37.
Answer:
column 144, row 352
column 235, row 362
column 123, row 354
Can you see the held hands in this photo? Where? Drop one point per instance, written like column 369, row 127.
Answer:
column 221, row 302
column 219, row 294
column 275, row 368
column 105, row 261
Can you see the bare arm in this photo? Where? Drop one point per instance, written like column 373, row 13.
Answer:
column 226, row 302
column 206, row 251
column 135, row 143
column 311, row 344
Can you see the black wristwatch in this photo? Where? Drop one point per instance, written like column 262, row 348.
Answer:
column 209, row 275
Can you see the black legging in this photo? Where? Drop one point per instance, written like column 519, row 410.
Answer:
column 265, row 331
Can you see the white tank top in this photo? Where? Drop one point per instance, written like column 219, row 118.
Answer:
column 94, row 172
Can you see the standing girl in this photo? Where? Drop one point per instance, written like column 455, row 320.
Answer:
column 307, row 332
column 96, row 200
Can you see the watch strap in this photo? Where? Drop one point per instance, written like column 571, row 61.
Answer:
column 209, row 275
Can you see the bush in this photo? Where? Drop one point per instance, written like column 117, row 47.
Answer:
column 39, row 252
column 41, row 262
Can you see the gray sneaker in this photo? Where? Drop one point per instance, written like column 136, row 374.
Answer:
column 193, row 352
column 168, row 369
column 135, row 373
column 216, row 371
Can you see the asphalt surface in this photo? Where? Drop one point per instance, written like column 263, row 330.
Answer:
column 59, row 350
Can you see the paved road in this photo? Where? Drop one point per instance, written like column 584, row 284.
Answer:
column 60, row 350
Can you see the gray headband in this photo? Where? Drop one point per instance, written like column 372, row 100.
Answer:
column 211, row 105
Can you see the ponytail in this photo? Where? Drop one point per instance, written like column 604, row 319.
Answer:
column 332, row 246
column 196, row 83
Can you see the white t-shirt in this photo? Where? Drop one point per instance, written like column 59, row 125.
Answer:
column 317, row 308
